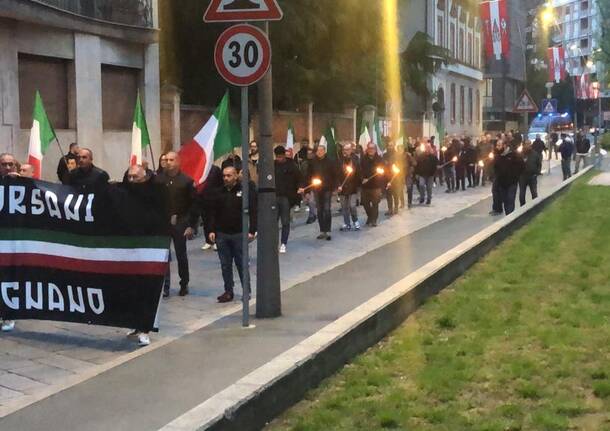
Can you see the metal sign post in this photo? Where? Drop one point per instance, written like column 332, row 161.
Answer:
column 245, row 200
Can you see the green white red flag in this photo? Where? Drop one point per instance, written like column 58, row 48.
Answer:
column 290, row 137
column 140, row 139
column 213, row 141
column 41, row 135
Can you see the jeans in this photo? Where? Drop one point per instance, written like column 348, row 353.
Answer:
column 283, row 214
column 179, row 240
column 229, row 251
column 424, row 185
column 323, row 198
column 310, row 201
column 470, row 170
column 580, row 157
column 370, row 202
column 507, row 197
column 566, row 168
column 526, row 181
column 348, row 208
column 409, row 191
column 496, row 205
column 449, row 171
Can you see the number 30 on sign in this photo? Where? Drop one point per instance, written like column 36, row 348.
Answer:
column 242, row 54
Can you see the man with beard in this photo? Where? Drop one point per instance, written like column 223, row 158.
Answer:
column 508, row 167
column 226, row 228
column 372, row 183
column 183, row 216
column 287, row 181
column 349, row 175
column 87, row 174
column 253, row 162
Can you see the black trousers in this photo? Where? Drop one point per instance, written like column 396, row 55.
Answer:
column 507, row 197
column 179, row 240
column 526, row 181
column 370, row 202
column 470, row 169
column 323, row 198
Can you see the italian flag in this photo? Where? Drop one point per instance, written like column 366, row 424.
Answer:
column 364, row 138
column 290, row 137
column 41, row 135
column 210, row 143
column 376, row 138
column 140, row 139
column 328, row 139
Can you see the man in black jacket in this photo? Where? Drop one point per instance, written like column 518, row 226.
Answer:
column 325, row 170
column 508, row 167
column 63, row 167
column 538, row 145
column 183, row 216
column 86, row 175
column 427, row 163
column 529, row 177
column 226, row 227
column 349, row 176
column 287, row 181
column 583, row 145
column 372, row 183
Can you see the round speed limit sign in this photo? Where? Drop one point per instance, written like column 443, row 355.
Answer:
column 242, row 54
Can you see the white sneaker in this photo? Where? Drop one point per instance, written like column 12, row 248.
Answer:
column 297, row 209
column 206, row 246
column 143, row 340
column 357, row 225
column 344, row 228
column 215, row 247
column 283, row 248
column 8, row 325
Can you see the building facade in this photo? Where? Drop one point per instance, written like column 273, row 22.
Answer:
column 89, row 59
column 457, row 87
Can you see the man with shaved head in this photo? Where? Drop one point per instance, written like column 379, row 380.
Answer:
column 8, row 168
column 183, row 215
column 87, row 175
column 26, row 170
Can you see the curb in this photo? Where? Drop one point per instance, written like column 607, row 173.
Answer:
column 254, row 400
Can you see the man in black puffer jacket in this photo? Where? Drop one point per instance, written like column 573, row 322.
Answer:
column 529, row 176
column 508, row 167
column 427, row 164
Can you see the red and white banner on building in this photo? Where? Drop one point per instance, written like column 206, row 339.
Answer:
column 495, row 28
column 557, row 65
column 585, row 89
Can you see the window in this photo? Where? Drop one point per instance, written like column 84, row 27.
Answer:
column 584, row 43
column 49, row 76
column 478, row 107
column 477, row 52
column 119, row 91
column 488, row 93
column 470, row 56
column 461, row 45
column 452, row 40
column 584, row 23
column 462, row 104
column 440, row 41
column 567, row 10
column 470, row 106
column 584, row 5
column 453, row 103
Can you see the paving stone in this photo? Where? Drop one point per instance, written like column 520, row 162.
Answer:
column 44, row 373
column 19, row 383
column 66, row 363
column 8, row 394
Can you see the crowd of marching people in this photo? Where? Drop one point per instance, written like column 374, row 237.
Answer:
column 311, row 179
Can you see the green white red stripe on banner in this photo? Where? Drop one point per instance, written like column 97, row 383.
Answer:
column 102, row 255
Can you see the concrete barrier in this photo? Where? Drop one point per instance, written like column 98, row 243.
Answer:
column 254, row 400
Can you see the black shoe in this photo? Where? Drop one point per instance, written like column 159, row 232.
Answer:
column 225, row 297
column 184, row 290
column 321, row 236
column 328, row 238
column 428, row 202
column 166, row 293
column 310, row 220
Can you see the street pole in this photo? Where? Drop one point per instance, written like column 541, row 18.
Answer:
column 549, row 86
column 268, row 298
column 245, row 217
column 598, row 160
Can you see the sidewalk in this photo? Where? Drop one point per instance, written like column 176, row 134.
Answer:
column 45, row 357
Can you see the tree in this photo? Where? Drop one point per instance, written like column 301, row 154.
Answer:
column 603, row 39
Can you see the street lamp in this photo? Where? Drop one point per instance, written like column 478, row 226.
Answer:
column 547, row 15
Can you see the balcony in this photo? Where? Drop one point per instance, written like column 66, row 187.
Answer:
column 137, row 13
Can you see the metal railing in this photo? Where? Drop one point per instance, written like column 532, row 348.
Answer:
column 129, row 12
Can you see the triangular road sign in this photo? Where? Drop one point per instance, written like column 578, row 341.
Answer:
column 548, row 107
column 525, row 103
column 242, row 10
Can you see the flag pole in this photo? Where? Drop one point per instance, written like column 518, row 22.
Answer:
column 152, row 156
